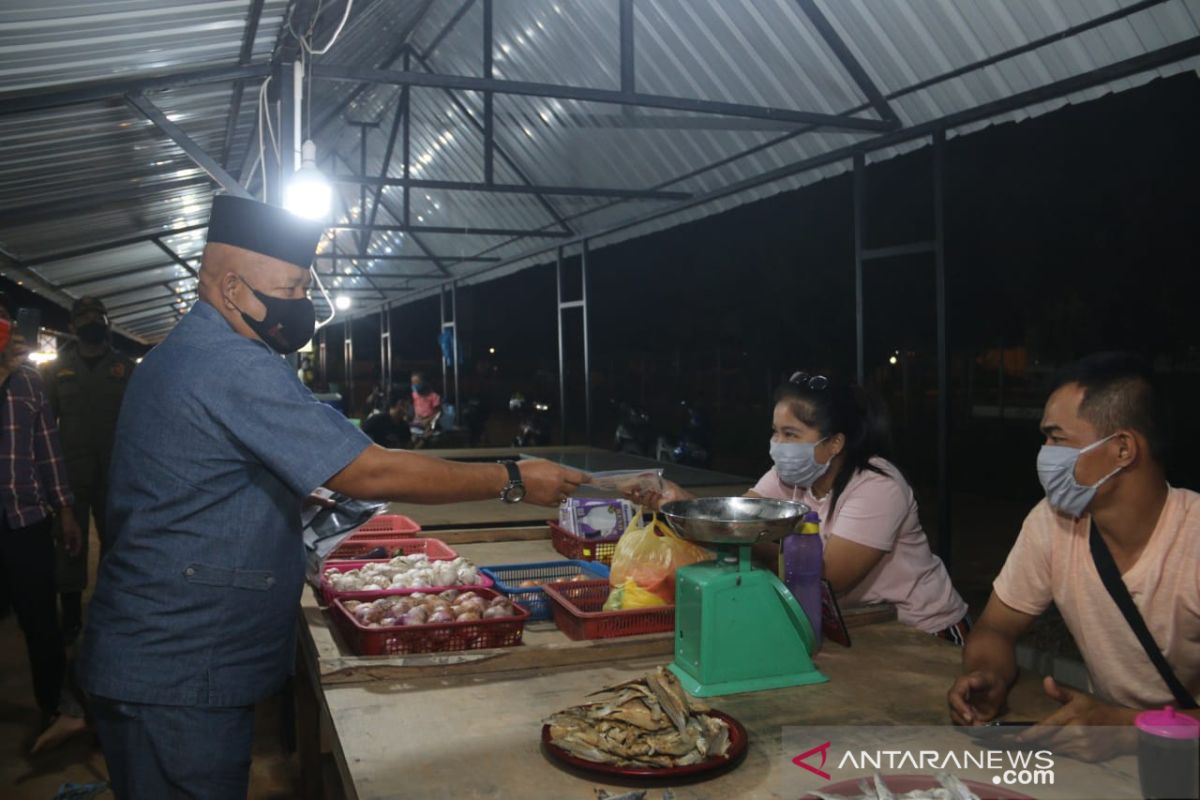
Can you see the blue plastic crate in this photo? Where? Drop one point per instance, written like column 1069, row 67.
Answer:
column 533, row 599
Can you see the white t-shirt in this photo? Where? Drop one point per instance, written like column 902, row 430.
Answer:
column 879, row 511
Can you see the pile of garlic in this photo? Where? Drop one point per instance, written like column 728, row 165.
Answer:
column 415, row 571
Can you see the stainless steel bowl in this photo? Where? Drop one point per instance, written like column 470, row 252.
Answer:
column 733, row 520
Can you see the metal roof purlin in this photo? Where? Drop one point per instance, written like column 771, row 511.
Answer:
column 103, row 90
column 1115, row 71
column 513, row 188
column 176, row 257
column 194, row 151
column 111, row 244
column 253, row 16
column 847, row 60
column 590, row 95
column 546, row 205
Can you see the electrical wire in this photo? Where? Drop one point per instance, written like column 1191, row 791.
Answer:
column 345, row 16
column 328, row 300
column 262, row 152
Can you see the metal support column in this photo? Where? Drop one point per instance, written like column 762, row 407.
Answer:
column 587, row 356
column 943, row 353
column 860, row 199
column 287, row 131
column 450, row 322
column 348, row 357
column 562, row 365
column 385, row 353
column 935, row 247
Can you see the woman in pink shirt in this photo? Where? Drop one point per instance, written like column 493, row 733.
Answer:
column 826, row 447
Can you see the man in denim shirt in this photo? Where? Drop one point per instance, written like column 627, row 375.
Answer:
column 193, row 618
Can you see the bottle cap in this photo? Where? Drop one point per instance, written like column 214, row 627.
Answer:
column 1168, row 723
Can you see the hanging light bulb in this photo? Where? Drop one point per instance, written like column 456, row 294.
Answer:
column 342, row 302
column 308, row 193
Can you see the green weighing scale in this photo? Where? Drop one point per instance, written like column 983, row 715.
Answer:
column 737, row 628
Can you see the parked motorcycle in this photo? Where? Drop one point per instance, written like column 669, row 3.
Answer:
column 692, row 447
column 634, row 434
column 533, row 425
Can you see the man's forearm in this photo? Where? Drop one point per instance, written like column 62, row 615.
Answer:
column 403, row 476
column 988, row 650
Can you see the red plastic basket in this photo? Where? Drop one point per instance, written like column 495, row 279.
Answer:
column 329, row 594
column 577, row 612
column 393, row 524
column 437, row 638
column 356, row 546
column 599, row 549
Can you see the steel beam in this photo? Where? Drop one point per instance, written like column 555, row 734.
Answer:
column 111, row 244
column 125, row 273
column 395, row 257
column 104, row 90
column 239, row 86
column 489, row 130
column 512, row 164
column 171, row 254
column 626, row 25
column 848, row 61
column 512, row 188
column 945, row 539
column 194, row 151
column 562, row 367
column 449, row 26
column 860, row 236
column 464, row 230
column 589, row 95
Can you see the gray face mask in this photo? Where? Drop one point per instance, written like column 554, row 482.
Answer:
column 796, row 462
column 1056, row 471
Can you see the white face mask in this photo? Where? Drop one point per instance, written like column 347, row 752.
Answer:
column 1056, row 471
column 796, row 462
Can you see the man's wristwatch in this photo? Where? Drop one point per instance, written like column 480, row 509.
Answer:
column 514, row 490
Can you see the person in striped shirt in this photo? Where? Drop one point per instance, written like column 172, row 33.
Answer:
column 33, row 489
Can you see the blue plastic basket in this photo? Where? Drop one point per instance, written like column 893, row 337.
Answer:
column 533, row 599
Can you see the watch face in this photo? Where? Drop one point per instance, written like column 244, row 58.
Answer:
column 515, row 493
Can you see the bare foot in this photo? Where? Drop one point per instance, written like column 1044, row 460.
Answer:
column 60, row 729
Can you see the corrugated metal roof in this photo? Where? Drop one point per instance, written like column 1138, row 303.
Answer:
column 97, row 171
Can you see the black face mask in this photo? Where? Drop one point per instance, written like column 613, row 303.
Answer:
column 92, row 332
column 289, row 324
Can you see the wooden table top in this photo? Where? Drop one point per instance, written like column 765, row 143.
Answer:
column 453, row 726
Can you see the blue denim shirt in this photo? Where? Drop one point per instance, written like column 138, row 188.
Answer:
column 216, row 446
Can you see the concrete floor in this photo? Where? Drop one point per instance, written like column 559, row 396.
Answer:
column 274, row 773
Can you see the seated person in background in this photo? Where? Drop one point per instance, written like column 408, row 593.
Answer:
column 826, row 447
column 1101, row 467
column 389, row 427
column 427, row 403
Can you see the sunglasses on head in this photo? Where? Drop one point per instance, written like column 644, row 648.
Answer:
column 814, row 383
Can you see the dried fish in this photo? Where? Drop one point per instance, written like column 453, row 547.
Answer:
column 951, row 789
column 650, row 722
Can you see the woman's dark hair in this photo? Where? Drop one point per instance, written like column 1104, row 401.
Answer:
column 832, row 408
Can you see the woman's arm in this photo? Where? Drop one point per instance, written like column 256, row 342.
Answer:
column 847, row 563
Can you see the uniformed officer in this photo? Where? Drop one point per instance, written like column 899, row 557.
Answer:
column 194, row 615
column 85, row 385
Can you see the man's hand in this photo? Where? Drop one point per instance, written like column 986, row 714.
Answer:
column 976, row 698
column 656, row 500
column 547, row 483
column 72, row 536
column 1084, row 727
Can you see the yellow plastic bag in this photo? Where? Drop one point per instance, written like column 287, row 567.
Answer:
column 629, row 595
column 648, row 555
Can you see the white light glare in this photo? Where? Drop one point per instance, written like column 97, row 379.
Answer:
column 342, row 302
column 308, row 193
column 42, row 356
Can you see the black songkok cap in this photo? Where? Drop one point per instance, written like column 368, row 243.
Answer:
column 260, row 228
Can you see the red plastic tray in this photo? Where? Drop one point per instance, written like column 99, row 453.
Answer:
column 577, row 612
column 737, row 748
column 366, row 539
column 437, row 638
column 599, row 549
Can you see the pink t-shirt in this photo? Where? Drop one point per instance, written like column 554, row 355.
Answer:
column 1052, row 561
column 879, row 511
column 426, row 405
